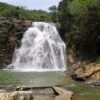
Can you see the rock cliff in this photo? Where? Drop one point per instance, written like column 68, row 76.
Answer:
column 11, row 32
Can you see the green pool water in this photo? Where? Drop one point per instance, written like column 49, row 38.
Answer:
column 8, row 77
column 81, row 91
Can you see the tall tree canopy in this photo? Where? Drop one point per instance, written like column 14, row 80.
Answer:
column 54, row 13
column 80, row 26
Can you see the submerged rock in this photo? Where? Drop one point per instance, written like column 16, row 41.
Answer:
column 36, row 93
column 63, row 94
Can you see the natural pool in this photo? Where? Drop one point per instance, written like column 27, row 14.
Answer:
column 35, row 79
column 8, row 77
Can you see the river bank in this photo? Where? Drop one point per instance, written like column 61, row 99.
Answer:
column 87, row 71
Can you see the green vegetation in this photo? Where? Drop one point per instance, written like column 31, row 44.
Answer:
column 80, row 26
column 7, row 10
column 54, row 13
column 14, row 21
column 78, row 22
column 31, row 98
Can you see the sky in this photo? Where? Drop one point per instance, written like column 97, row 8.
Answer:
column 33, row 4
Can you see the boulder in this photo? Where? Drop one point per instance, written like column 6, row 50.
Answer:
column 90, row 72
column 62, row 94
column 1, row 90
column 21, row 95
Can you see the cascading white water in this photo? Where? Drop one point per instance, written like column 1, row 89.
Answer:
column 42, row 49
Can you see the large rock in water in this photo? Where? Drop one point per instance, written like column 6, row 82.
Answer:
column 89, row 73
column 63, row 94
column 42, row 49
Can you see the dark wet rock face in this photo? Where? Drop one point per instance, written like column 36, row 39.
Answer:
column 11, row 32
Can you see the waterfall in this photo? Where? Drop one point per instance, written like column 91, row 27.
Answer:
column 42, row 49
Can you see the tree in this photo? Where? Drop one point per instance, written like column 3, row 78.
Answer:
column 65, row 20
column 7, row 10
column 80, row 22
column 54, row 13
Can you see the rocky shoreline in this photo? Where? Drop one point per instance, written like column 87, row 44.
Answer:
column 90, row 74
column 29, row 93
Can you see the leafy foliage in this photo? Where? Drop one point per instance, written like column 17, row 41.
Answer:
column 79, row 23
column 54, row 13
column 80, row 26
column 81, row 6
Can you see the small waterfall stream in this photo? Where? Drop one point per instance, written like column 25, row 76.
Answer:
column 42, row 49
